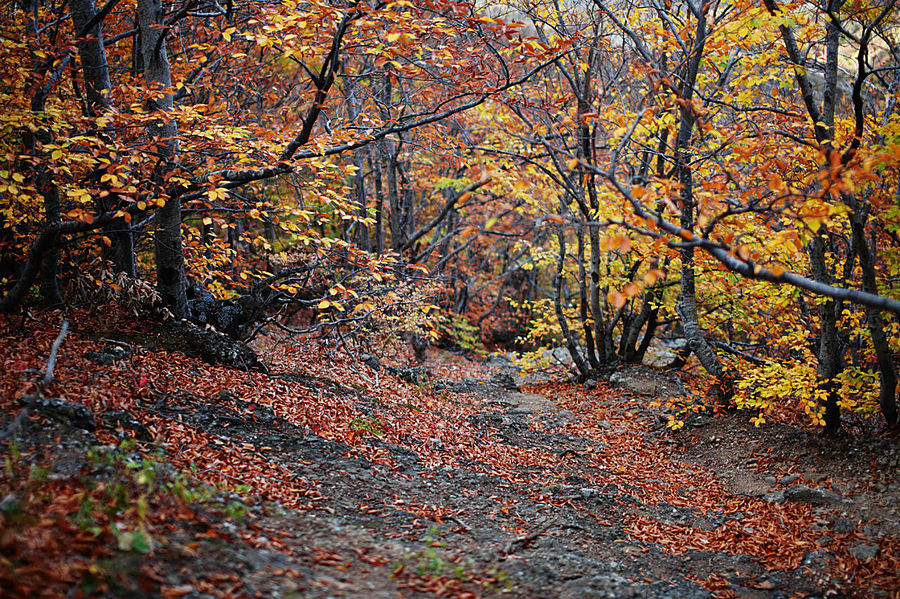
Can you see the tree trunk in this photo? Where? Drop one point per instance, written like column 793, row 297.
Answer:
column 43, row 178
column 829, row 354
column 360, row 230
column 95, row 72
column 886, row 369
column 690, row 319
column 571, row 346
column 170, row 274
column 583, row 305
column 375, row 164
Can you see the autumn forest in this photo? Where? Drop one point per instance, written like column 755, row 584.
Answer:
column 251, row 251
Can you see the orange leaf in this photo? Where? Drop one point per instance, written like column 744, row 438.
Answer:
column 616, row 299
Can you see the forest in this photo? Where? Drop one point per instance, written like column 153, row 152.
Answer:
column 534, row 298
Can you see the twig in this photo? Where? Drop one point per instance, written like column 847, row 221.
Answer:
column 526, row 540
column 51, row 361
column 45, row 382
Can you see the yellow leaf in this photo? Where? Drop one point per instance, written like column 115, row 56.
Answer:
column 107, row 241
column 207, row 221
column 323, row 304
column 142, row 205
column 572, row 164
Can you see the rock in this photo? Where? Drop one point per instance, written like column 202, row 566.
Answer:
column 816, row 477
column 605, row 425
column 67, row 467
column 843, row 526
column 823, row 540
column 505, row 380
column 789, row 479
column 371, row 361
column 73, row 414
column 812, row 495
column 500, row 360
column 770, row 480
column 211, row 346
column 774, row 497
column 231, row 317
column 108, row 355
column 864, row 551
column 640, row 381
column 590, row 384
column 122, row 418
column 414, row 375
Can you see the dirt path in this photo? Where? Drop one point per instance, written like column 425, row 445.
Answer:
column 549, row 491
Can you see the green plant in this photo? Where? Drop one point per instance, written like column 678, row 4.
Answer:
column 235, row 511
column 368, row 425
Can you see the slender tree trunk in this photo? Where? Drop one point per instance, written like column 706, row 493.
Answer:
column 583, row 301
column 170, row 271
column 43, row 177
column 688, row 310
column 361, row 231
column 95, row 72
column 571, row 345
column 829, row 354
column 376, row 160
column 886, row 369
column 396, row 220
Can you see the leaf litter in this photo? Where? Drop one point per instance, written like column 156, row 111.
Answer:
column 324, row 478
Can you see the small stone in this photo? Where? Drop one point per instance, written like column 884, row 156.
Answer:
column 811, row 495
column 816, row 477
column 605, row 425
column 774, row 497
column 843, row 526
column 770, row 480
column 823, row 540
column 590, row 384
column 789, row 479
column 864, row 551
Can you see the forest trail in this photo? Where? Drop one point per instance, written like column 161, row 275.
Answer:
column 324, row 479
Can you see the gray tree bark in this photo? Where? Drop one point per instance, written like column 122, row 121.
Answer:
column 170, row 271
column 95, row 72
column 43, row 177
column 690, row 319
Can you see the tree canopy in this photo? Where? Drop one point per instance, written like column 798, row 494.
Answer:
column 603, row 176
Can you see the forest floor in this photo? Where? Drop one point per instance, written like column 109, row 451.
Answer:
column 326, row 478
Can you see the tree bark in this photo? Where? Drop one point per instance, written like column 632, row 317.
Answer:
column 887, row 371
column 42, row 176
column 95, row 72
column 688, row 311
column 571, row 346
column 829, row 353
column 170, row 271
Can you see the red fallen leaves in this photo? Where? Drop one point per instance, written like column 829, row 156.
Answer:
column 775, row 549
column 403, row 415
column 452, row 587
